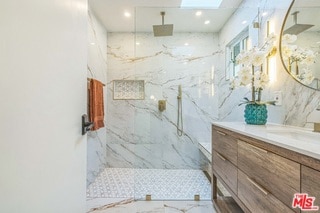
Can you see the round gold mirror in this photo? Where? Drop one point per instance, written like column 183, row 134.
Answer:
column 300, row 42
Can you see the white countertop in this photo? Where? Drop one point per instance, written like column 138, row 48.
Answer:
column 301, row 140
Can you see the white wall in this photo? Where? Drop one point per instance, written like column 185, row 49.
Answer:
column 43, row 60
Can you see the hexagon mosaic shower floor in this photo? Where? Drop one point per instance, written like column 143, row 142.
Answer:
column 161, row 184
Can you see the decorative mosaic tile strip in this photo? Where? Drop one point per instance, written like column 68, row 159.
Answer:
column 128, row 89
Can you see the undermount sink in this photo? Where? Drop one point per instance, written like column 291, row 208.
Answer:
column 303, row 136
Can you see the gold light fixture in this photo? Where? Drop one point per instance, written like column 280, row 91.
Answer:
column 256, row 25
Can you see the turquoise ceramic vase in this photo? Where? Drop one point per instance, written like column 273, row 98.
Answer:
column 256, row 114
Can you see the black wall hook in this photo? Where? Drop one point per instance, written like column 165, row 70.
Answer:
column 86, row 125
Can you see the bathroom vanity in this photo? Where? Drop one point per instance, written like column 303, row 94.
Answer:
column 262, row 167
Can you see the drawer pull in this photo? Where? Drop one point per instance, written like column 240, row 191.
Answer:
column 221, row 157
column 221, row 133
column 254, row 147
column 258, row 186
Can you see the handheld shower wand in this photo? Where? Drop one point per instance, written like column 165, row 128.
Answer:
column 180, row 120
column 179, row 92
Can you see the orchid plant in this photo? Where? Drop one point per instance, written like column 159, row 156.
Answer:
column 298, row 56
column 251, row 71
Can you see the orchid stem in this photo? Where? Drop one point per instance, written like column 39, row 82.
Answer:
column 253, row 88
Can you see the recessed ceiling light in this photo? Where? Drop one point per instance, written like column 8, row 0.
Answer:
column 127, row 14
column 207, row 22
column 92, row 43
column 137, row 43
column 186, row 44
column 199, row 13
column 264, row 13
column 244, row 22
column 200, row 3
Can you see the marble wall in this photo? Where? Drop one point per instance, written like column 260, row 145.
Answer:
column 298, row 101
column 97, row 69
column 138, row 134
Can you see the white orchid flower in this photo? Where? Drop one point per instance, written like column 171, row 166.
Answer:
column 289, row 38
column 258, row 58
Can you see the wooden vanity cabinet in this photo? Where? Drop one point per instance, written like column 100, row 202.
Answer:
column 226, row 170
column 258, row 199
column 224, row 166
column 261, row 177
column 225, row 157
column 225, row 144
column 277, row 175
column 310, row 184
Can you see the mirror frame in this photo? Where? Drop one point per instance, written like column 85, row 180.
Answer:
column 280, row 47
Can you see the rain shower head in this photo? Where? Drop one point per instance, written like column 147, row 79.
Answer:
column 297, row 28
column 164, row 29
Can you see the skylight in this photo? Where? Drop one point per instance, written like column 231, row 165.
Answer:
column 201, row 3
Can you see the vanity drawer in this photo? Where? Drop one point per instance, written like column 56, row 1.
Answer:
column 226, row 170
column 310, row 183
column 258, row 199
column 278, row 175
column 225, row 144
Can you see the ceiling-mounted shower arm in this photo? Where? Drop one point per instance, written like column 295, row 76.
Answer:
column 295, row 17
column 162, row 14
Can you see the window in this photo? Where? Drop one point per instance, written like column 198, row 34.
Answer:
column 233, row 49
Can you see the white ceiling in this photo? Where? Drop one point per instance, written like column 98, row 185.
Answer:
column 145, row 13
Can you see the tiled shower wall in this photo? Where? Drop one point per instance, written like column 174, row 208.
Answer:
column 298, row 101
column 97, row 69
column 138, row 134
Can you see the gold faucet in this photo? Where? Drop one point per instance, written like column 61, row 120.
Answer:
column 316, row 127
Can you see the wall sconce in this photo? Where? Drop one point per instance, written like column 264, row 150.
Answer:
column 273, row 52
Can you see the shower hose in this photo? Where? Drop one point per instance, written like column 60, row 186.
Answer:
column 180, row 120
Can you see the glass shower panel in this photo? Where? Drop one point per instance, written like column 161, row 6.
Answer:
column 149, row 129
column 169, row 165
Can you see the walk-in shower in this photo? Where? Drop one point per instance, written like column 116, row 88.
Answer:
column 154, row 152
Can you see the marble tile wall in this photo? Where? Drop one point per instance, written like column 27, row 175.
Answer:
column 138, row 134
column 298, row 101
column 97, row 69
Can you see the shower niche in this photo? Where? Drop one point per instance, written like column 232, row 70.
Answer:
column 128, row 89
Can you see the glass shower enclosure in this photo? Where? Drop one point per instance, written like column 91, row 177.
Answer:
column 173, row 121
